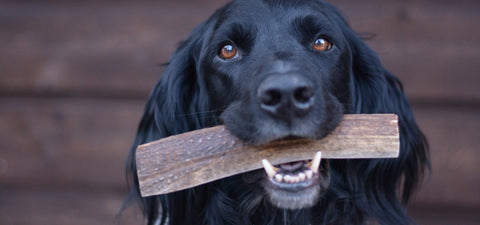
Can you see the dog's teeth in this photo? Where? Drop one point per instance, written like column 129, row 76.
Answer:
column 287, row 179
column 295, row 179
column 302, row 176
column 315, row 164
column 269, row 169
column 309, row 174
column 279, row 178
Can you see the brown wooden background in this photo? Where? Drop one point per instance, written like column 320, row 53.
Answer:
column 74, row 76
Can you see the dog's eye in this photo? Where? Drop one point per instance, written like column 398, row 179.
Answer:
column 322, row 44
column 228, row 51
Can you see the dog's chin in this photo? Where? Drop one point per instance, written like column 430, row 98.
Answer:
column 294, row 185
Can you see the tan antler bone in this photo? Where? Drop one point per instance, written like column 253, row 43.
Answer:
column 201, row 156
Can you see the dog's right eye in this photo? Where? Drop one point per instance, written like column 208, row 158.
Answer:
column 228, row 51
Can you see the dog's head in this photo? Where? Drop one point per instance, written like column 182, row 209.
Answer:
column 272, row 70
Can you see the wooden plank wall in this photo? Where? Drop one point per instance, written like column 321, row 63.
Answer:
column 74, row 77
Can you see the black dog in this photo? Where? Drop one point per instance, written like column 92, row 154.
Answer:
column 270, row 70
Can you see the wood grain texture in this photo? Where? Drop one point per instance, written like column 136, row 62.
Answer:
column 67, row 143
column 198, row 157
column 59, row 143
column 64, row 207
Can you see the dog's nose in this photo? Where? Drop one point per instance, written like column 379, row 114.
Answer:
column 286, row 95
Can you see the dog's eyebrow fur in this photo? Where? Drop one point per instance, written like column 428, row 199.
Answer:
column 306, row 28
column 241, row 34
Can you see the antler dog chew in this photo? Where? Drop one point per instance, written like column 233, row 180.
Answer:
column 201, row 156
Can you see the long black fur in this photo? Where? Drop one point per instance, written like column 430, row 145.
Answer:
column 360, row 191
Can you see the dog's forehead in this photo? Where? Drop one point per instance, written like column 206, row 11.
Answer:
column 270, row 21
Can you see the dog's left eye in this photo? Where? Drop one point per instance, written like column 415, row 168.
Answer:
column 228, row 51
column 322, row 44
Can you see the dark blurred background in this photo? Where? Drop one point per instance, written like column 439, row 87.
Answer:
column 74, row 77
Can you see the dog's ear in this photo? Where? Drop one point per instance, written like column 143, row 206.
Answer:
column 375, row 90
column 178, row 103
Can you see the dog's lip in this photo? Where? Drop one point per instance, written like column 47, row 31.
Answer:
column 297, row 175
column 292, row 188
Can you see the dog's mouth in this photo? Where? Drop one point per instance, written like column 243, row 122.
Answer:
column 298, row 184
column 293, row 175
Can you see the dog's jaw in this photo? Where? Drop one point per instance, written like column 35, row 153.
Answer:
column 296, row 185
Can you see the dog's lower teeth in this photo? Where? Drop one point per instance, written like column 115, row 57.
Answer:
column 294, row 179
column 287, row 179
column 315, row 164
column 302, row 176
column 297, row 178
column 269, row 169
column 308, row 172
column 279, row 178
